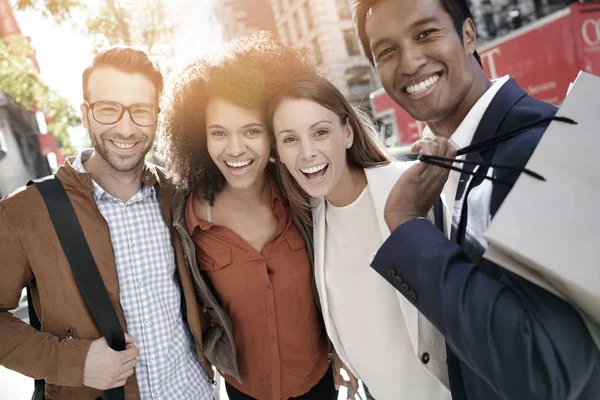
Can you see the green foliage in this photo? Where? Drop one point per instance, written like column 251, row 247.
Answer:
column 20, row 80
column 111, row 21
column 59, row 10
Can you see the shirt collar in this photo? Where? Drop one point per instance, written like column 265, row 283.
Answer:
column 463, row 135
column 192, row 221
column 148, row 178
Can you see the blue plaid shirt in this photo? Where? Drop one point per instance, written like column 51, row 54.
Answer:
column 168, row 368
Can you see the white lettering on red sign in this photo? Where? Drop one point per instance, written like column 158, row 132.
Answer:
column 590, row 31
column 488, row 56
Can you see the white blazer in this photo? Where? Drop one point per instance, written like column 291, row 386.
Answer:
column 425, row 337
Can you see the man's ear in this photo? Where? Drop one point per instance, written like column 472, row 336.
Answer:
column 469, row 36
column 84, row 119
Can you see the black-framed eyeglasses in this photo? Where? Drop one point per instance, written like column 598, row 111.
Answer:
column 111, row 112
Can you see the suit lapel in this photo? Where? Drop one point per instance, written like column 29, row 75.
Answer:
column 319, row 244
column 509, row 94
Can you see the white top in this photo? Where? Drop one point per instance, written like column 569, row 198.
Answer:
column 365, row 310
column 462, row 137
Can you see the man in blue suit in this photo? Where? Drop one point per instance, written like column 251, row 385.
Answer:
column 506, row 338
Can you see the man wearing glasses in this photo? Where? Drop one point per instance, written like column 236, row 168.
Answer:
column 123, row 206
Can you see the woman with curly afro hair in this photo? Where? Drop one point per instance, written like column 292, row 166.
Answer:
column 250, row 259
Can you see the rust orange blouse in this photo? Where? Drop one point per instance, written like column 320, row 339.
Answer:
column 279, row 335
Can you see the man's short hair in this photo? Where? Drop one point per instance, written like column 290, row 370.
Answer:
column 459, row 10
column 125, row 59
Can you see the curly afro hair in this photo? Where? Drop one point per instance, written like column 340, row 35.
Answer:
column 247, row 72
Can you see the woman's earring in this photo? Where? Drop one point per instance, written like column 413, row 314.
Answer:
column 348, row 145
column 272, row 160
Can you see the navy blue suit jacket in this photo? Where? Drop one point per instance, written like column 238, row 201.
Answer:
column 506, row 338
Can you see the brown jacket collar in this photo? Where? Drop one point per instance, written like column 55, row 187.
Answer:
column 152, row 175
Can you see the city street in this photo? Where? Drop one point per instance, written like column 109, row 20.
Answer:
column 14, row 385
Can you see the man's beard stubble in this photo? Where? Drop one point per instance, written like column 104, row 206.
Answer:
column 116, row 162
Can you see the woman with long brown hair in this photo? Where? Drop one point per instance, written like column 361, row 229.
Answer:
column 333, row 170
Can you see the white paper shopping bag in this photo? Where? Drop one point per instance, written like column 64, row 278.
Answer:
column 549, row 231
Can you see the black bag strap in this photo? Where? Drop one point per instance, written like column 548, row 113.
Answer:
column 83, row 266
column 38, row 384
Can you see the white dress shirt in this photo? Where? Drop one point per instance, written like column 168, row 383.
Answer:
column 462, row 137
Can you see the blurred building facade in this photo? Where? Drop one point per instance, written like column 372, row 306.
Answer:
column 323, row 26
column 327, row 28
column 242, row 17
column 497, row 18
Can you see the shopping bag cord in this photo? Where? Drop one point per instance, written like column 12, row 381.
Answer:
column 439, row 161
column 510, row 134
column 434, row 160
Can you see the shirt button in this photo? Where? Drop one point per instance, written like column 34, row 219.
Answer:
column 272, row 337
column 276, row 363
column 425, row 358
column 146, row 322
column 412, row 296
column 391, row 273
column 277, row 211
column 151, row 358
column 140, row 284
column 398, row 281
column 262, row 260
column 271, row 313
column 268, row 286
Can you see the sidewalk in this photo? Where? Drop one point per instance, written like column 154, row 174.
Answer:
column 14, row 386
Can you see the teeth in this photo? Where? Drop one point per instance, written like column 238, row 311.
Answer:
column 312, row 170
column 123, row 145
column 422, row 86
column 238, row 164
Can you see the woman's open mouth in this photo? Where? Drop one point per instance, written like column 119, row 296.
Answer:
column 239, row 168
column 316, row 173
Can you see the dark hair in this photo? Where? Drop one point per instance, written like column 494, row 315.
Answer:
column 366, row 152
column 459, row 10
column 126, row 59
column 244, row 71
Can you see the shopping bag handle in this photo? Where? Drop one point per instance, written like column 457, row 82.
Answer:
column 485, row 144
